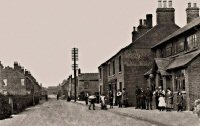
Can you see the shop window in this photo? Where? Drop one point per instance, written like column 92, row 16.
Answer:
column 191, row 42
column 179, row 81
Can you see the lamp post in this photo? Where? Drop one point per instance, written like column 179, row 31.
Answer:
column 74, row 67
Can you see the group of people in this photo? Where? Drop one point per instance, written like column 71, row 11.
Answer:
column 121, row 98
column 163, row 100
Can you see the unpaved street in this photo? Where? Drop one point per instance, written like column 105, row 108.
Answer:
column 62, row 113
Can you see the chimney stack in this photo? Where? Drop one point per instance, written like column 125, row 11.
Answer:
column 149, row 22
column 165, row 15
column 134, row 34
column 192, row 12
column 140, row 21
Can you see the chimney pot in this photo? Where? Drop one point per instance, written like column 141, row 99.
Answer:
column 134, row 28
column 189, row 5
column 159, row 3
column 195, row 5
column 164, row 4
column 170, row 4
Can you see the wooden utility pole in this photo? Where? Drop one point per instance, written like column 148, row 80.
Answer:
column 74, row 67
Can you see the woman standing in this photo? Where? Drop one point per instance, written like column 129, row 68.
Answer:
column 169, row 100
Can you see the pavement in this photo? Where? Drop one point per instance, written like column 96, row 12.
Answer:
column 163, row 118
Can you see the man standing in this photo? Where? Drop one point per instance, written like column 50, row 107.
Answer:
column 119, row 98
column 124, row 97
column 149, row 95
column 137, row 94
column 142, row 99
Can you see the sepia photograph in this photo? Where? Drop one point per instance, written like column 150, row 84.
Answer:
column 99, row 63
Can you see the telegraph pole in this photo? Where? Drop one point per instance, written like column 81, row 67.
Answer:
column 74, row 67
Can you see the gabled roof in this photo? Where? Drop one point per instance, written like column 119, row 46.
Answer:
column 88, row 76
column 183, row 60
column 150, row 38
column 190, row 25
column 162, row 63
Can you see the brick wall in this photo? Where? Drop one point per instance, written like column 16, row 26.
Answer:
column 194, row 80
column 134, row 76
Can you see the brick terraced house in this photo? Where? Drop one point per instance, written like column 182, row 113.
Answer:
column 177, row 62
column 126, row 69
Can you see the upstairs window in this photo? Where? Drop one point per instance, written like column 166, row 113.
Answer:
column 100, row 73
column 5, row 82
column 109, row 69
column 113, row 63
column 191, row 42
column 120, row 64
column 169, row 50
column 22, row 82
column 180, row 46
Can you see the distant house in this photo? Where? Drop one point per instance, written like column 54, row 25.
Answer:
column 126, row 68
column 13, row 81
column 88, row 83
column 52, row 90
column 177, row 62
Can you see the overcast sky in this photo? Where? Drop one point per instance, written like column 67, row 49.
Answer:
column 39, row 34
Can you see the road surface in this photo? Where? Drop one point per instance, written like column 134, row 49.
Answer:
column 63, row 113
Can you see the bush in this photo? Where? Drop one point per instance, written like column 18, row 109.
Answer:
column 5, row 107
column 197, row 107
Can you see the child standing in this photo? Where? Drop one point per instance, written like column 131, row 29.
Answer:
column 161, row 103
column 180, row 101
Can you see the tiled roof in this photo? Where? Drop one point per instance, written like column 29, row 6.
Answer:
column 154, row 35
column 183, row 60
column 150, row 38
column 190, row 25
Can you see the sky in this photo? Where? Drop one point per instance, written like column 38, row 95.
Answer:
column 40, row 34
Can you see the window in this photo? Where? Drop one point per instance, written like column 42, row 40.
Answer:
column 100, row 73
column 5, row 82
column 169, row 50
column 120, row 64
column 22, row 82
column 86, row 85
column 113, row 63
column 100, row 89
column 180, row 80
column 191, row 42
column 120, row 86
column 109, row 69
column 180, row 46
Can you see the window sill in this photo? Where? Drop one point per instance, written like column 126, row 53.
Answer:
column 120, row 72
column 192, row 50
column 183, row 92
